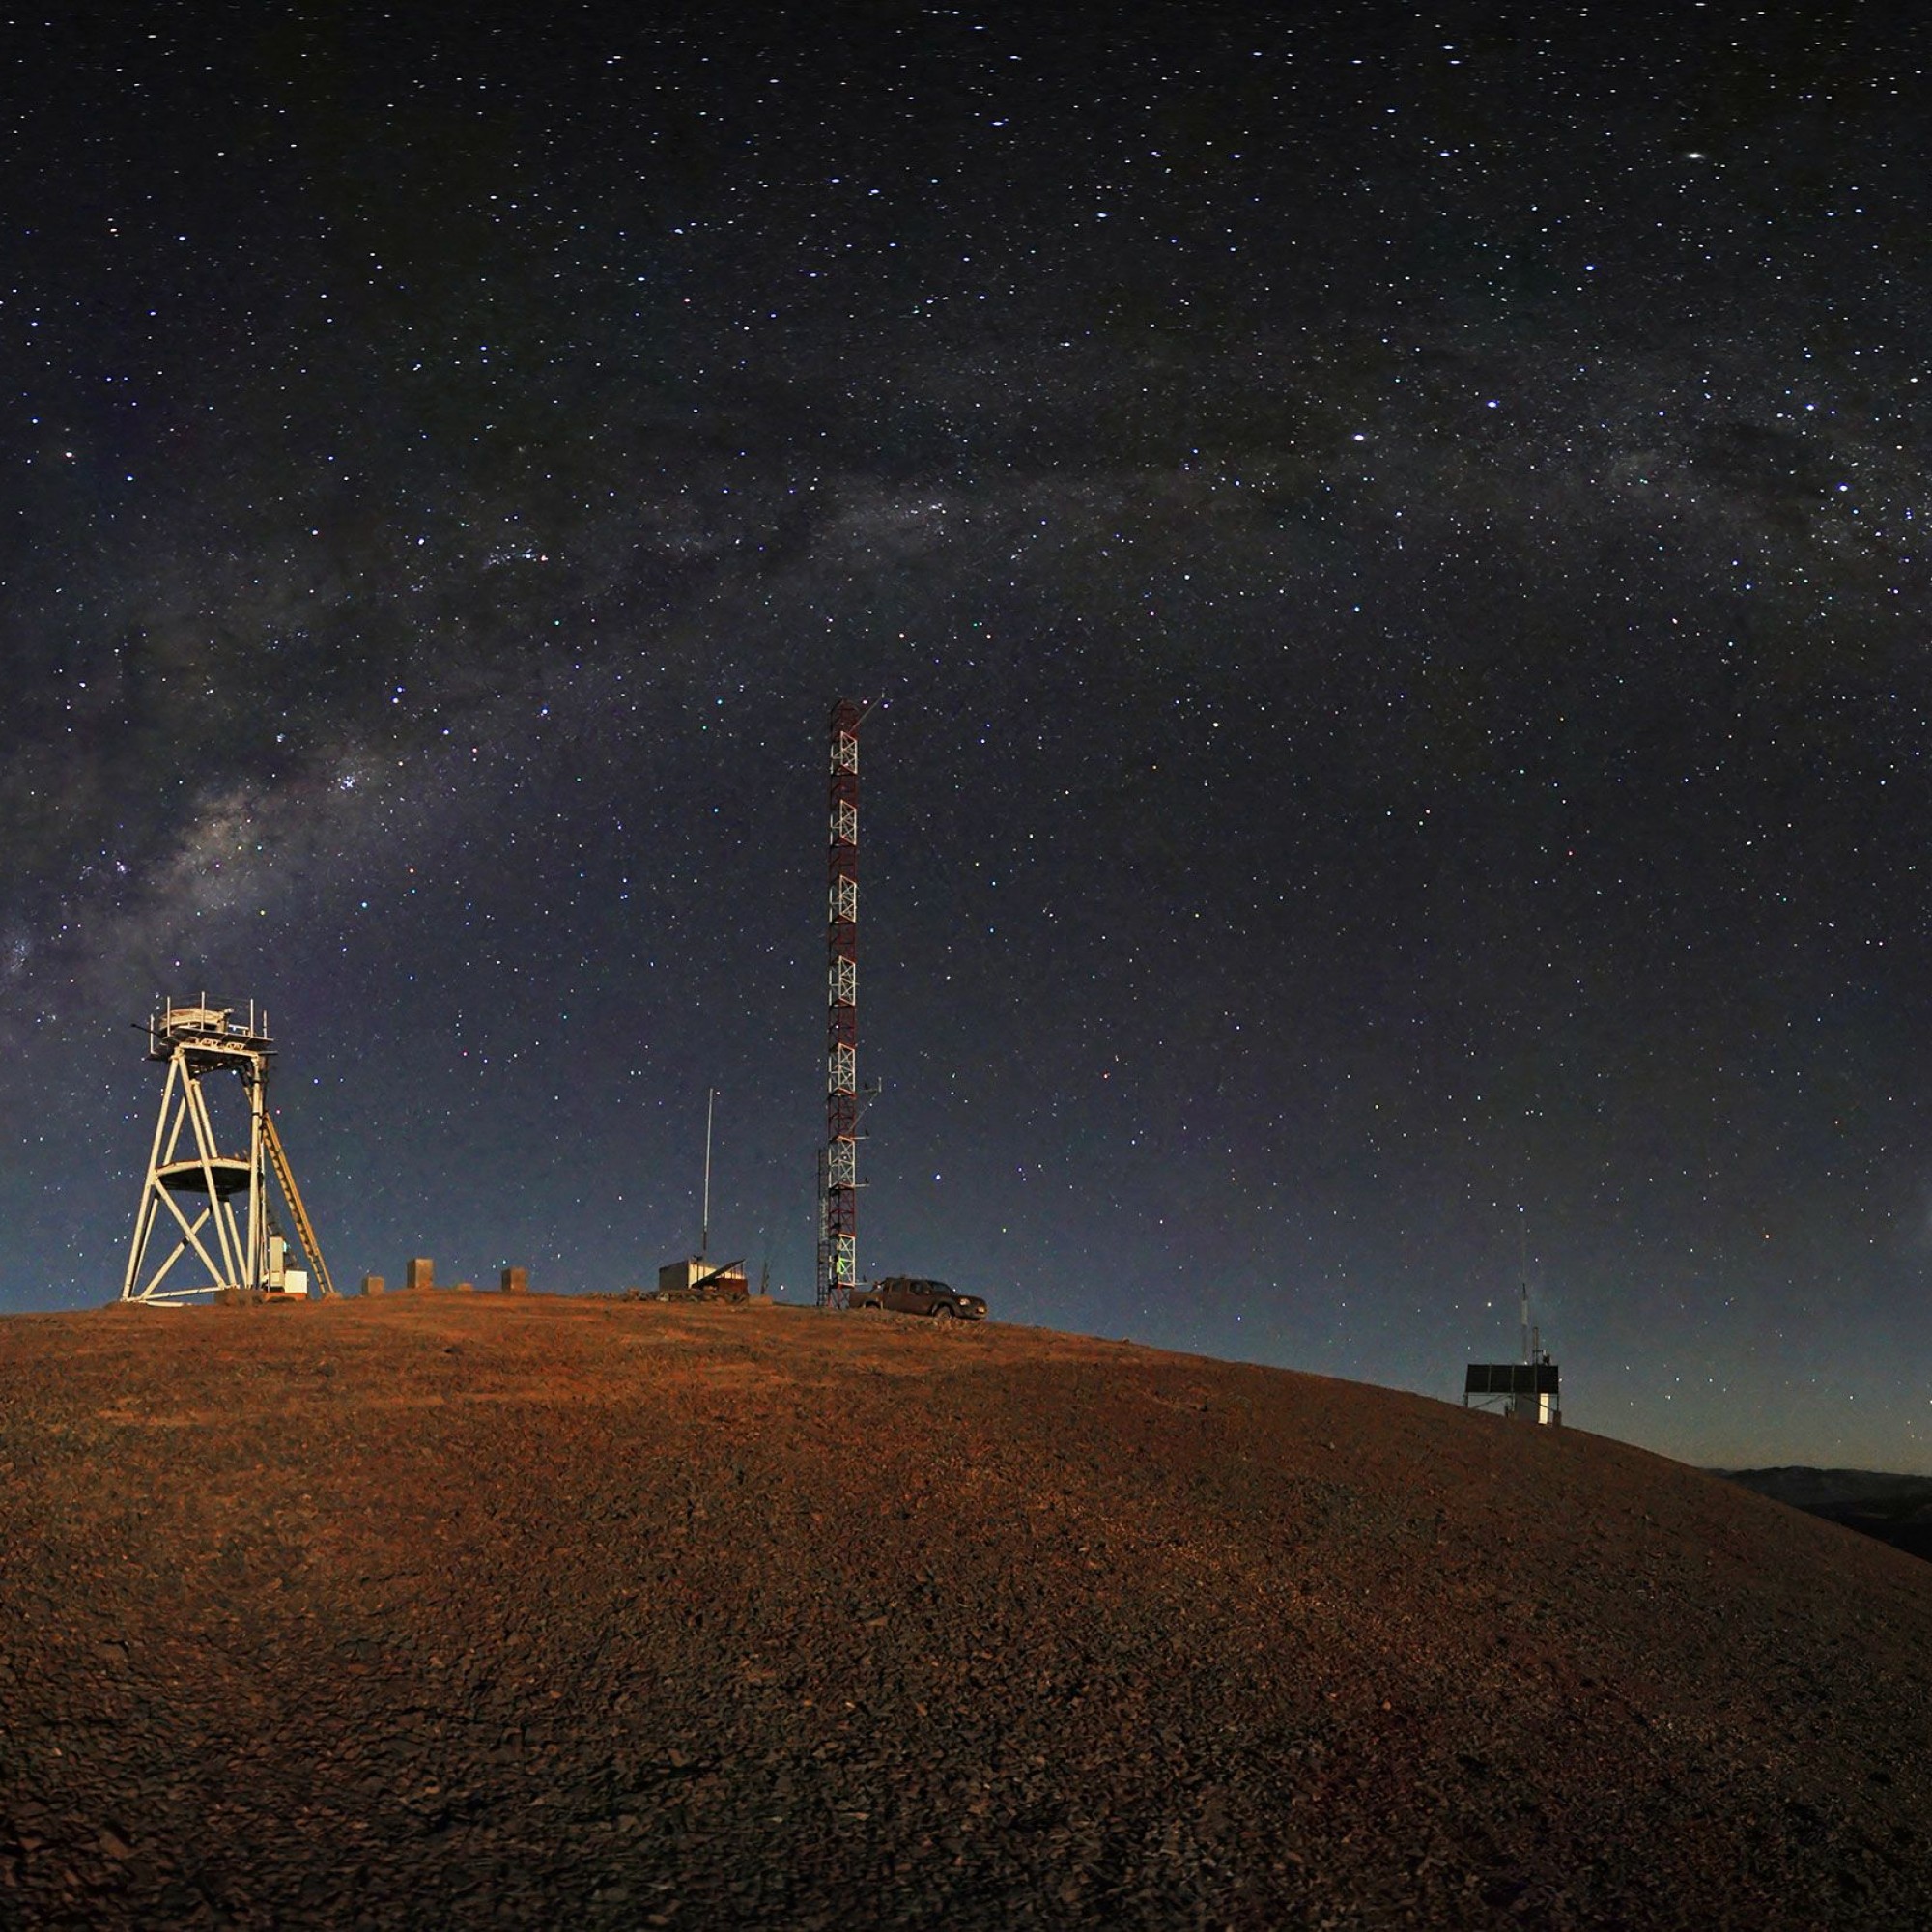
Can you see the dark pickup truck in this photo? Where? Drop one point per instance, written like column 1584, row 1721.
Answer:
column 908, row 1294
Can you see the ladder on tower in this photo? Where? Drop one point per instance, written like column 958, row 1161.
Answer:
column 292, row 1194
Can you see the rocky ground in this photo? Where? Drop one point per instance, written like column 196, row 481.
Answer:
column 465, row 1610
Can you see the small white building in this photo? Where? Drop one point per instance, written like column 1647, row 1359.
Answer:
column 697, row 1276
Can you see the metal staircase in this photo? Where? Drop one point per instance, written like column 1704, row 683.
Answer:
column 278, row 1159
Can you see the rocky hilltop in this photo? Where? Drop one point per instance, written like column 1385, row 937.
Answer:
column 467, row 1610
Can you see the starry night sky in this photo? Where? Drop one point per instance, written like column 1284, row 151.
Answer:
column 1390, row 545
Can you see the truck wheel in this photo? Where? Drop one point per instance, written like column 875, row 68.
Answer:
column 945, row 1309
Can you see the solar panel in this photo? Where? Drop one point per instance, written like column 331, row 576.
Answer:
column 1511, row 1379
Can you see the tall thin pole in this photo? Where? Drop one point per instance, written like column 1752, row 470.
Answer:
column 256, row 1079
column 1522, row 1281
column 704, row 1227
column 839, row 1158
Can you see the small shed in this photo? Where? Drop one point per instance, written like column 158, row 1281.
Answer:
column 696, row 1279
column 1529, row 1391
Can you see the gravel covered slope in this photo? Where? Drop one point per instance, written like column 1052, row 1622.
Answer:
column 456, row 1610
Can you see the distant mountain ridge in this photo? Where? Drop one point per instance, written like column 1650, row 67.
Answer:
column 1894, row 1509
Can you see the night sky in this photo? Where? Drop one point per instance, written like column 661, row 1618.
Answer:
column 1389, row 542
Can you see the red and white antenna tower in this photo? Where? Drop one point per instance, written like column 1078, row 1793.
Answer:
column 838, row 1160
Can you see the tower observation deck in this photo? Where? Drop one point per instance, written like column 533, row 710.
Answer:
column 205, row 1223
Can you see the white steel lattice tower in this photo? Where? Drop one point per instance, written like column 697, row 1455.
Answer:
column 204, row 1224
column 839, row 1159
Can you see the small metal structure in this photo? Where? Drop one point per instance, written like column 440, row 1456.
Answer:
column 213, row 1206
column 1529, row 1390
column 839, row 1157
column 1526, row 1390
column 697, row 1280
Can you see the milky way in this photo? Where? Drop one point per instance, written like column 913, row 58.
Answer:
column 1390, row 552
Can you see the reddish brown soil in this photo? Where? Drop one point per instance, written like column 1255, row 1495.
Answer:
column 446, row 1611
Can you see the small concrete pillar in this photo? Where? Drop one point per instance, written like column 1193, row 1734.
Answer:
column 373, row 1284
column 419, row 1273
column 516, row 1281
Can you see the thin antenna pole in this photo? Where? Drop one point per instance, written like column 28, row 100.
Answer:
column 1522, row 1279
column 704, row 1227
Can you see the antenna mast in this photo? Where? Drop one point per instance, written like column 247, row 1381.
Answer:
column 1522, row 1280
column 839, row 1158
column 704, row 1226
column 1528, row 1389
